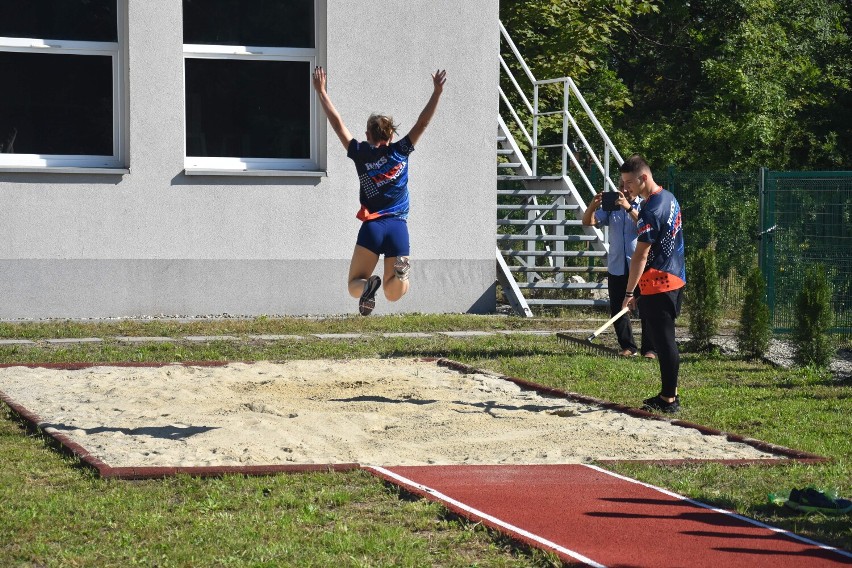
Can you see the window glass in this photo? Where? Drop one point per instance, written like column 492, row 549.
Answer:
column 83, row 20
column 257, row 109
column 56, row 104
column 288, row 23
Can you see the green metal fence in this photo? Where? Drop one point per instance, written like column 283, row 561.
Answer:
column 781, row 220
column 720, row 207
column 806, row 219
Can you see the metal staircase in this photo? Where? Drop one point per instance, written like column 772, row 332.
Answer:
column 545, row 256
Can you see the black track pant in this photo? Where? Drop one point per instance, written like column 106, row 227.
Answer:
column 617, row 286
column 660, row 312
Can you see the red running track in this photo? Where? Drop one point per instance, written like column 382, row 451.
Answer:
column 588, row 515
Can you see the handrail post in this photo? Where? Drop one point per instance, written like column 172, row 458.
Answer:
column 565, row 148
column 535, row 131
column 606, row 166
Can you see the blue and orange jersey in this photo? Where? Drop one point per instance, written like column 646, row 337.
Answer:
column 383, row 176
column 660, row 225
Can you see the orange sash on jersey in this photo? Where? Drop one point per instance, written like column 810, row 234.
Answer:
column 365, row 215
column 655, row 281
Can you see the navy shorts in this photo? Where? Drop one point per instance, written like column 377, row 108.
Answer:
column 385, row 236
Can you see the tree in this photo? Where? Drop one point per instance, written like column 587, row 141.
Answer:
column 703, row 298
column 571, row 38
column 813, row 320
column 718, row 84
column 755, row 329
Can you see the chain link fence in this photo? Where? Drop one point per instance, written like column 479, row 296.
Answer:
column 782, row 221
column 807, row 220
column 721, row 208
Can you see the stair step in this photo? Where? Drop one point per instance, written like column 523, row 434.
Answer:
column 547, row 253
column 541, row 285
column 525, row 207
column 548, row 238
column 545, row 192
column 509, row 165
column 547, row 222
column 508, row 177
column 559, row 269
column 505, row 151
column 501, row 138
column 572, row 302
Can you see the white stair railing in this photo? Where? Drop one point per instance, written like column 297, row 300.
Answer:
column 601, row 158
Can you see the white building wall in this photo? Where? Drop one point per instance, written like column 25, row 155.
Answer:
column 156, row 241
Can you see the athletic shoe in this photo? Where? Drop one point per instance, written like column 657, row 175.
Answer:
column 812, row 500
column 657, row 403
column 627, row 353
column 368, row 298
column 401, row 267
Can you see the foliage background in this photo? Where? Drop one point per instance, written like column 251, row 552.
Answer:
column 703, row 84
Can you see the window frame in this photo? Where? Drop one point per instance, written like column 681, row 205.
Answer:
column 201, row 165
column 116, row 51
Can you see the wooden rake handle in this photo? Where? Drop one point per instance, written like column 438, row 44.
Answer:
column 609, row 322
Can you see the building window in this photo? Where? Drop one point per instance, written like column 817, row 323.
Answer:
column 61, row 101
column 247, row 75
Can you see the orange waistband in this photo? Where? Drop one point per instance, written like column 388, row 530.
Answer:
column 365, row 215
column 655, row 281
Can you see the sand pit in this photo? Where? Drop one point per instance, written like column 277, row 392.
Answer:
column 371, row 411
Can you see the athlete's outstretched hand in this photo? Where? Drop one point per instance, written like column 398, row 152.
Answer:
column 438, row 79
column 319, row 79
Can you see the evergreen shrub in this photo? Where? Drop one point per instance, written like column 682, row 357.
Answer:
column 755, row 329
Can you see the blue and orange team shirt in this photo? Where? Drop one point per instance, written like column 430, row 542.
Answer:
column 660, row 225
column 383, row 175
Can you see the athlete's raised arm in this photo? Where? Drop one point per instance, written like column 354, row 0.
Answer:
column 438, row 80
column 330, row 112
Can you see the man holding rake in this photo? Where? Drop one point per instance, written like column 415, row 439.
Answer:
column 658, row 268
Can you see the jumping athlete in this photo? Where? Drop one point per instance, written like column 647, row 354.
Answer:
column 382, row 167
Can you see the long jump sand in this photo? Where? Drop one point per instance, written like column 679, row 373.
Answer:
column 369, row 411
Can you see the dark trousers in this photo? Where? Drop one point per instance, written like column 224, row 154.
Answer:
column 660, row 312
column 617, row 286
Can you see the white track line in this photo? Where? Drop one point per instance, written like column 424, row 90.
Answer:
column 724, row 512
column 486, row 516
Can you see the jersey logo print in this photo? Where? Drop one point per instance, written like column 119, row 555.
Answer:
column 369, row 186
column 667, row 243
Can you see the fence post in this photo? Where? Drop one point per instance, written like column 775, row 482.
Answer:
column 761, row 192
column 766, row 264
column 671, row 175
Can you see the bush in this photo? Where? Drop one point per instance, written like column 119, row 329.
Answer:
column 813, row 319
column 755, row 329
column 703, row 297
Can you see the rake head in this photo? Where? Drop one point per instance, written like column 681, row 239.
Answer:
column 586, row 344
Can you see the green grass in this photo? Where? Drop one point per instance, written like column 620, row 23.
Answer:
column 57, row 513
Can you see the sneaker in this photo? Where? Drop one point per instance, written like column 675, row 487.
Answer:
column 401, row 268
column 811, row 500
column 368, row 298
column 657, row 403
column 627, row 353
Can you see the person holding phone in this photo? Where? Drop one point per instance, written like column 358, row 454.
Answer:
column 619, row 210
